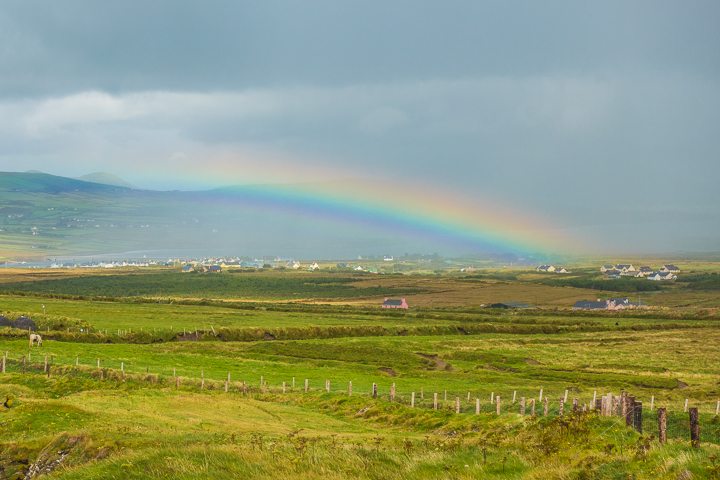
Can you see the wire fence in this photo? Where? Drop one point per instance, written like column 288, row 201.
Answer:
column 646, row 421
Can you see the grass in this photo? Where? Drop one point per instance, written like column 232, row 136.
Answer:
column 144, row 427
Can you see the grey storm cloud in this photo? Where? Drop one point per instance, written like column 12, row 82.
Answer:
column 604, row 116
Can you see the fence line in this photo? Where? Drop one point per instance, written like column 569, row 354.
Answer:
column 661, row 423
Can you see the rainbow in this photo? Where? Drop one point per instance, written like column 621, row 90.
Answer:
column 414, row 211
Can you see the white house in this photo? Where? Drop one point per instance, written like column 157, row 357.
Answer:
column 662, row 276
column 545, row 268
column 605, row 268
column 293, row 264
column 625, row 268
column 313, row 266
column 669, row 269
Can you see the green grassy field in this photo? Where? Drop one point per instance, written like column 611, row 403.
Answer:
column 86, row 426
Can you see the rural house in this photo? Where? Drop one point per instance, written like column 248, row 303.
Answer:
column 645, row 270
column 605, row 268
column 662, row 276
column 214, row 269
column 625, row 268
column 545, row 268
column 292, row 264
column 187, row 269
column 388, row 303
column 669, row 269
column 313, row 266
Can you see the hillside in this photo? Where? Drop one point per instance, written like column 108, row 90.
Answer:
column 106, row 179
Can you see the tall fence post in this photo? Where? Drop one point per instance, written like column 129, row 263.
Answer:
column 498, row 404
column 686, row 404
column 374, row 393
column 694, row 427
column 514, row 393
column 565, row 397
column 293, row 383
column 457, row 404
column 468, row 397
column 412, row 400
column 638, row 417
column 717, row 408
column 45, row 369
column 540, row 398
column 306, row 385
column 616, row 406
column 562, row 407
column 392, row 393
column 547, row 406
column 576, row 404
column 662, row 425
column 522, row 405
column 477, row 406
column 652, row 402
column 283, row 387
column 422, row 393
column 630, row 417
column 532, row 407
column 350, row 389
column 434, row 401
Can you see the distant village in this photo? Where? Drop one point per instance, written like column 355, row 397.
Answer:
column 666, row 272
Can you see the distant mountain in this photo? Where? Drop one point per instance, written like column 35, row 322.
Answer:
column 106, row 179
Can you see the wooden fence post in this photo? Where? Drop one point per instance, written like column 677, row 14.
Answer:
column 392, row 393
column 547, row 406
column 598, row 405
column 652, row 402
column 293, row 383
column 492, row 397
column 594, row 398
column 350, row 389
column 609, row 404
column 306, row 385
column 457, row 404
column 98, row 364
column 374, row 390
column 412, row 400
column 477, row 406
column 630, row 417
column 565, row 397
column 684, row 411
column 532, row 407
column 576, row 404
column 638, row 417
column 468, row 397
column 694, row 427
column 45, row 370
column 434, row 401
column 717, row 408
column 77, row 359
column 498, row 404
column 562, row 407
column 422, row 393
column 514, row 394
column 540, row 399
column 261, row 380
column 662, row 425
column 522, row 405
column 327, row 386
column 283, row 387
column 616, row 406
column 445, row 394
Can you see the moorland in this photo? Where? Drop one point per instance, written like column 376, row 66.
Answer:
column 147, row 373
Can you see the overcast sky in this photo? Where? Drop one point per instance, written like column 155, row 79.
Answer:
column 602, row 117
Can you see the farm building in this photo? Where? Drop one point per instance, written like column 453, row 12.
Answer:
column 24, row 323
column 608, row 304
column 5, row 322
column 389, row 303
column 510, row 305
